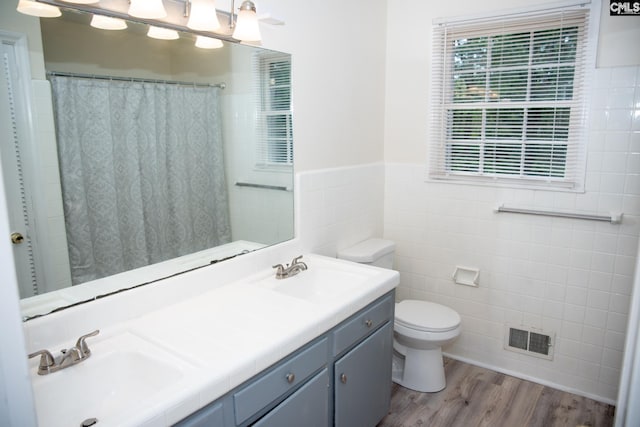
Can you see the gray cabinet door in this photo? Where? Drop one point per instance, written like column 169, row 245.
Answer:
column 362, row 381
column 211, row 415
column 307, row 407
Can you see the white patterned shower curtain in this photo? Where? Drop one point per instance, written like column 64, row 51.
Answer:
column 142, row 172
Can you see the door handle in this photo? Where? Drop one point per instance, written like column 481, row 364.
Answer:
column 17, row 238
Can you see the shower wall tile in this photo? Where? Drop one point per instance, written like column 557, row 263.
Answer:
column 570, row 277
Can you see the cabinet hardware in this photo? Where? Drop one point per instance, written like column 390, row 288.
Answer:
column 290, row 377
column 368, row 322
column 343, row 378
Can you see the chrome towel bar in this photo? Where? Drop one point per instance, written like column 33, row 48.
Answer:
column 264, row 186
column 613, row 217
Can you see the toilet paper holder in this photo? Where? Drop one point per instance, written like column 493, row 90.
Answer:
column 467, row 276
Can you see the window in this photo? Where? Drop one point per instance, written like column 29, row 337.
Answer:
column 508, row 99
column 275, row 134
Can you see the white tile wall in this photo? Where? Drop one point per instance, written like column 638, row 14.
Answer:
column 51, row 231
column 339, row 207
column 573, row 277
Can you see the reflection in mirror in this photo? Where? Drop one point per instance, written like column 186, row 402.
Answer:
column 165, row 157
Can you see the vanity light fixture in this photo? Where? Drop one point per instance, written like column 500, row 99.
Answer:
column 197, row 15
column 149, row 9
column 108, row 23
column 246, row 27
column 204, row 42
column 202, row 15
column 41, row 10
column 162, row 33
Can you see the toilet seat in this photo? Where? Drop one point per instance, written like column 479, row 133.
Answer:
column 426, row 316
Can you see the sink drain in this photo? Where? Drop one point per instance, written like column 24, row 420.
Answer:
column 89, row 422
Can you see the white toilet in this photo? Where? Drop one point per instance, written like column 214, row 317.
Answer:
column 421, row 328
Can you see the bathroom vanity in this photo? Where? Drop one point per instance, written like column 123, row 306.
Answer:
column 313, row 349
column 342, row 378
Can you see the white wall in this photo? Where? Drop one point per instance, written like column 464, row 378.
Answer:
column 50, row 230
column 571, row 277
column 618, row 41
column 338, row 72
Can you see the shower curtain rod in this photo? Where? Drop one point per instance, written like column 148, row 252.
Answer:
column 134, row 79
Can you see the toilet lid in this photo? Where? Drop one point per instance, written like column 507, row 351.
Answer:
column 426, row 316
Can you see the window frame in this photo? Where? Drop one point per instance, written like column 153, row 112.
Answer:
column 443, row 104
column 265, row 141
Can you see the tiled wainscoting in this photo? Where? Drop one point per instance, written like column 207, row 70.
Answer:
column 339, row 207
column 570, row 277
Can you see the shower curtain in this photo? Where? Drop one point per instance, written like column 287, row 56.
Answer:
column 142, row 172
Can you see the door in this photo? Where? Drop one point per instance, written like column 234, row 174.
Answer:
column 13, row 134
column 362, row 379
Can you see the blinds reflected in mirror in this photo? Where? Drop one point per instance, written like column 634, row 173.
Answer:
column 273, row 99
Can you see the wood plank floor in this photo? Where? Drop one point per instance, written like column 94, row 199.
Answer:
column 476, row 396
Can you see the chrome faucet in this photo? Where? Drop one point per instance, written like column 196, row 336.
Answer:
column 68, row 357
column 296, row 267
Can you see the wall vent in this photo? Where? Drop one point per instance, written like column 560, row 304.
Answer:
column 530, row 341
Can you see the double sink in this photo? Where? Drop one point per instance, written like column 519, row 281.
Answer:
column 133, row 376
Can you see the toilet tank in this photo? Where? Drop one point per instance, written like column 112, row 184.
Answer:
column 378, row 252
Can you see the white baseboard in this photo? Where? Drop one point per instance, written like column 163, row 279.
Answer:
column 530, row 378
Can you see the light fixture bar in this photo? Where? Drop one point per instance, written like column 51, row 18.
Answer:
column 118, row 9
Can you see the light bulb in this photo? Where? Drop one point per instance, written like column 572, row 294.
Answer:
column 150, row 9
column 162, row 33
column 247, row 25
column 203, row 16
column 29, row 7
column 108, row 23
column 208, row 42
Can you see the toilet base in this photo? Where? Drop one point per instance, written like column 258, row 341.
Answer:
column 419, row 370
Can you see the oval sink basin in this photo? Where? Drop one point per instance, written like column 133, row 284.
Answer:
column 319, row 283
column 122, row 373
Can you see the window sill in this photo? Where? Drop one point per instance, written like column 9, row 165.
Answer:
column 506, row 183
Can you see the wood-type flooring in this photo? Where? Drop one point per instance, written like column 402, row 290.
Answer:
column 476, row 396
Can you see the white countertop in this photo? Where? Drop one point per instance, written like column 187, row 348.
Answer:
column 228, row 334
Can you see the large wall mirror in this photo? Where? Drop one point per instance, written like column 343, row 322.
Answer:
column 165, row 157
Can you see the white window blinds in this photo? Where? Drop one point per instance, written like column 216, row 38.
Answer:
column 508, row 99
column 274, row 128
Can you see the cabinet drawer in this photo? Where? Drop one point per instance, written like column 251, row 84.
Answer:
column 362, row 324
column 279, row 380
